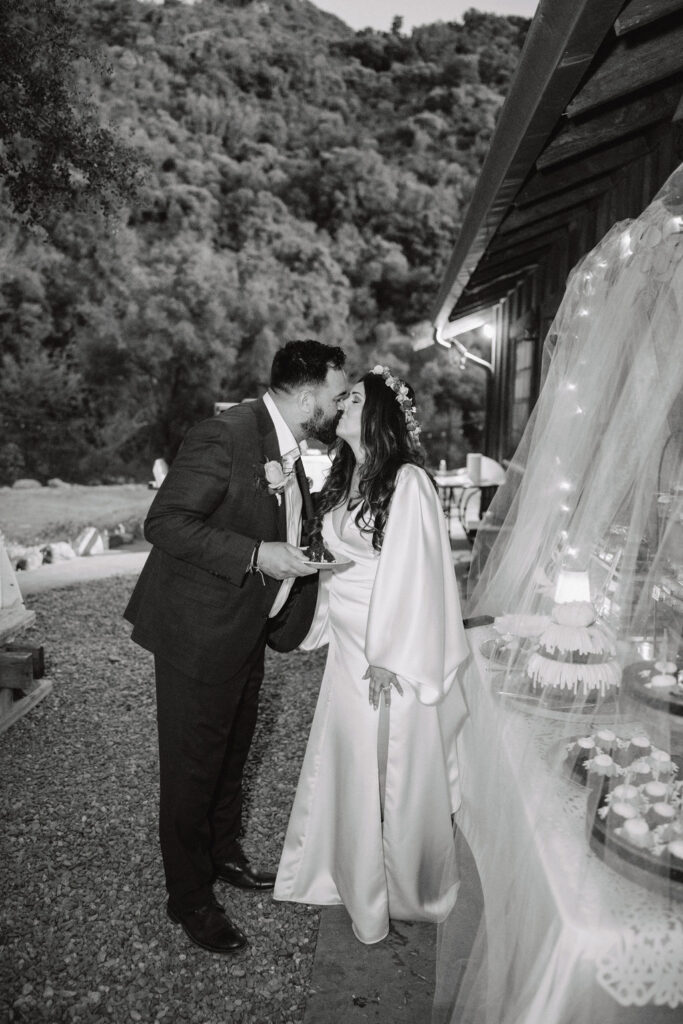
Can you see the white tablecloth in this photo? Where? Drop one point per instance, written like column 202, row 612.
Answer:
column 572, row 921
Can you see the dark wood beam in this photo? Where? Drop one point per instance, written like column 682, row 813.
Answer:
column 496, row 269
column 564, row 201
column 576, row 138
column 467, row 308
column 558, row 52
column 495, row 285
column 547, row 183
column 643, row 12
column 477, row 300
column 544, row 231
column 632, row 64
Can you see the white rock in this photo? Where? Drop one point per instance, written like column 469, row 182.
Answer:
column 26, row 485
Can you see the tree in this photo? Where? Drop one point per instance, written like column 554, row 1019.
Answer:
column 302, row 180
column 54, row 152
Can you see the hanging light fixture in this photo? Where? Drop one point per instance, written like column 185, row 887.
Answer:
column 572, row 585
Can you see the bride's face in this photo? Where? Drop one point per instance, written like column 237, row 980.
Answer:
column 348, row 426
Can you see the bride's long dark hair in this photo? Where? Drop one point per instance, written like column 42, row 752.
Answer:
column 387, row 445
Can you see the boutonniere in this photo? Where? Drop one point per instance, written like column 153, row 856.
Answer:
column 279, row 474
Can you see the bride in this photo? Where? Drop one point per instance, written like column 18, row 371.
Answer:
column 371, row 821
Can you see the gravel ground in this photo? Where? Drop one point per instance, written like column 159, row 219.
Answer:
column 83, row 930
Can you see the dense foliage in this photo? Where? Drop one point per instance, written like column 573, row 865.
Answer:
column 303, row 180
column 55, row 155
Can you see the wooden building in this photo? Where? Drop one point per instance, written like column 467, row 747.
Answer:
column 591, row 128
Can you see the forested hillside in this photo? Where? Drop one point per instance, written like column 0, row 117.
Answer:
column 302, row 180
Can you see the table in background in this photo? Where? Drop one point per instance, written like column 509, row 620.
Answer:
column 456, row 490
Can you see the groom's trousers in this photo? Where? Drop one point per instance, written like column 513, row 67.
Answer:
column 205, row 731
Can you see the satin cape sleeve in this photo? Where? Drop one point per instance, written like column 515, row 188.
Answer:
column 415, row 622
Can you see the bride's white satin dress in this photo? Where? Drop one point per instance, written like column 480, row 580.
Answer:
column 400, row 611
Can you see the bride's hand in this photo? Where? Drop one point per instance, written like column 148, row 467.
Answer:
column 381, row 681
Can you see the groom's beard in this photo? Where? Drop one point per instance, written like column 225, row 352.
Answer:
column 323, row 428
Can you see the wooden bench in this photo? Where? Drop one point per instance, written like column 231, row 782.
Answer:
column 22, row 685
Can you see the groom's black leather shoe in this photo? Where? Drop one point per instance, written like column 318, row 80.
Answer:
column 210, row 928
column 237, row 870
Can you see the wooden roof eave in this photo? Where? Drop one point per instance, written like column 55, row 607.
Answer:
column 562, row 41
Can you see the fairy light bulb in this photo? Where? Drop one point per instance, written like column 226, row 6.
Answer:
column 625, row 249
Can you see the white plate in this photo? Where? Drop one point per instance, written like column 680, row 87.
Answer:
column 330, row 565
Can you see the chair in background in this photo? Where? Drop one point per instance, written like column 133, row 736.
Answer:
column 475, row 500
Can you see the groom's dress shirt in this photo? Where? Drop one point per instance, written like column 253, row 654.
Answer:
column 291, row 494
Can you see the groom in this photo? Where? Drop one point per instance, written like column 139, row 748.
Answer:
column 224, row 578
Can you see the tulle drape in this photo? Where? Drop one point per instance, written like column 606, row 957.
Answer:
column 583, row 918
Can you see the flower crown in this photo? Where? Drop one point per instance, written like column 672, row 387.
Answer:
column 403, row 398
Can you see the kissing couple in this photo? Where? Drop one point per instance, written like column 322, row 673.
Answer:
column 228, row 575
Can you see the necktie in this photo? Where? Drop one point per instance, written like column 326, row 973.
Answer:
column 301, row 479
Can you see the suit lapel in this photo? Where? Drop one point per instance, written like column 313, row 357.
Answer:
column 270, row 451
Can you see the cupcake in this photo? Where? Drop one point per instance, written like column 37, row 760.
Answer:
column 584, row 746
column 654, row 792
column 636, row 832
column 639, row 746
column 625, row 793
column 605, row 739
column 639, row 772
column 619, row 813
column 578, row 753
column 660, row 814
column 675, row 851
column 661, row 763
column 602, row 766
column 662, row 681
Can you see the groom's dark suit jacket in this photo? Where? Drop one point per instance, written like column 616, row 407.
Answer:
column 194, row 604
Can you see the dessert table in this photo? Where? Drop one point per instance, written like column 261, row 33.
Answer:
column 579, row 941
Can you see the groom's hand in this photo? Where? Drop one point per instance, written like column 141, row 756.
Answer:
column 280, row 560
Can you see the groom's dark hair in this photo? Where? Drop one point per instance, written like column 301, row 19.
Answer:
column 304, row 362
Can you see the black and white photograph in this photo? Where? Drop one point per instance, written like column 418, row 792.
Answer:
column 341, row 512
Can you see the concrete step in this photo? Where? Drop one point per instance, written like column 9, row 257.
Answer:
column 392, row 982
